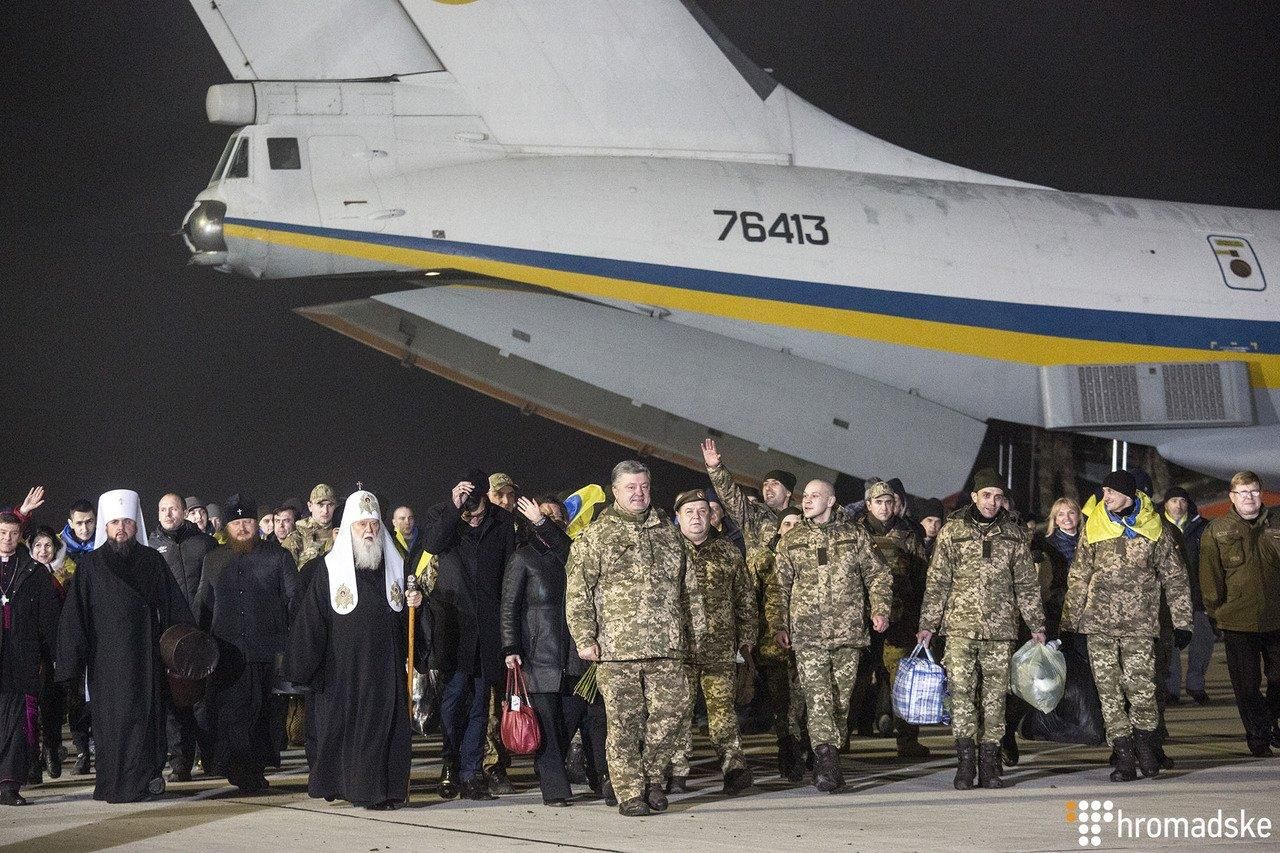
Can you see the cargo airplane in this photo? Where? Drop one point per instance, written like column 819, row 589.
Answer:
column 605, row 214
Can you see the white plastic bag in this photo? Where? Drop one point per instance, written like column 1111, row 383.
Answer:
column 1038, row 675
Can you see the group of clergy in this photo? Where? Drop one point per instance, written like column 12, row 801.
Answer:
column 339, row 629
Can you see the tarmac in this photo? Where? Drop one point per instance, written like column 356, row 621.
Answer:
column 890, row 804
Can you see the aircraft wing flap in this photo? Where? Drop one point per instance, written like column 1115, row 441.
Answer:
column 831, row 418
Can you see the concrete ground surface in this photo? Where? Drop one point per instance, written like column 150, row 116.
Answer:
column 890, row 804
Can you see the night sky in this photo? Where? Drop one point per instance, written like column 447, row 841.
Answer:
column 125, row 368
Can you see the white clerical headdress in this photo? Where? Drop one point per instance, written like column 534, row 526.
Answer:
column 115, row 505
column 343, row 595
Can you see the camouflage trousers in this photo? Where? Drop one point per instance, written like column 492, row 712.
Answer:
column 786, row 702
column 826, row 682
column 646, row 709
column 496, row 756
column 1123, row 668
column 719, row 687
column 974, row 665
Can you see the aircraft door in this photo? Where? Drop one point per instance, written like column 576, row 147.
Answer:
column 345, row 189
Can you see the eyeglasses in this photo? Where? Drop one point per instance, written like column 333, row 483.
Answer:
column 1247, row 493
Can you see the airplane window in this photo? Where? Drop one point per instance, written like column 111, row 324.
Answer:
column 282, row 152
column 222, row 161
column 239, row 166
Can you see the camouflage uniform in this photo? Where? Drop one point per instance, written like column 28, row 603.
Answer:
column 313, row 540
column 825, row 573
column 777, row 665
column 902, row 550
column 722, row 616
column 1113, row 596
column 981, row 577
column 759, row 523
column 625, row 594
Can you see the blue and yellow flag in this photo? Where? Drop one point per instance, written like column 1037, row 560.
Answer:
column 581, row 506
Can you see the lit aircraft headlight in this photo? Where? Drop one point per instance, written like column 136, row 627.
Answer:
column 202, row 228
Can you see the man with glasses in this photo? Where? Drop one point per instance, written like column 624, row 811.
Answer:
column 1240, row 578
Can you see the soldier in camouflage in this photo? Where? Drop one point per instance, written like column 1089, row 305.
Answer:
column 777, row 666
column 981, row 577
column 722, row 620
column 826, row 569
column 900, row 546
column 626, row 609
column 759, row 523
column 1122, row 561
column 313, row 536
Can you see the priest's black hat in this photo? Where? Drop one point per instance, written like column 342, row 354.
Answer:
column 240, row 506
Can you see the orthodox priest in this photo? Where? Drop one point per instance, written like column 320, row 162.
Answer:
column 29, row 604
column 348, row 643
column 245, row 593
column 129, row 581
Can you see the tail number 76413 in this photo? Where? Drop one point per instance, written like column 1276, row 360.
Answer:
column 802, row 228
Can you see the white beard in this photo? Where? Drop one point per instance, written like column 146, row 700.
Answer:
column 368, row 555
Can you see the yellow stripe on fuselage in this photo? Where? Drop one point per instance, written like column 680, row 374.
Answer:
column 979, row 341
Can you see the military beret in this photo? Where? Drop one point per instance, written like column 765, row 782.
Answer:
column 987, row 479
column 689, row 497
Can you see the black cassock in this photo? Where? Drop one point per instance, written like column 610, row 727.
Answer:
column 116, row 609
column 28, row 626
column 358, row 709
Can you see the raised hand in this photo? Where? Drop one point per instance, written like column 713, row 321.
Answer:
column 529, row 509
column 33, row 501
column 461, row 492
column 710, row 456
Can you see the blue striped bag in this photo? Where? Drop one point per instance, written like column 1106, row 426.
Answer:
column 920, row 690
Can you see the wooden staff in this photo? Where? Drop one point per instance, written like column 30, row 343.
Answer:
column 410, row 586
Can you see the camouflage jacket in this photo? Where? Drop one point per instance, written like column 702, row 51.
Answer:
column 902, row 550
column 722, row 603
column 1113, row 587
column 625, row 587
column 981, row 577
column 1240, row 571
column 825, row 575
column 308, row 541
column 763, row 568
column 758, row 522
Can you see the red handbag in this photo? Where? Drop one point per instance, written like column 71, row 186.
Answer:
column 521, row 734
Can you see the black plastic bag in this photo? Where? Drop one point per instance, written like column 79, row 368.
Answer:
column 1078, row 717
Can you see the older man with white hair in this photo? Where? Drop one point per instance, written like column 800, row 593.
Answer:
column 126, row 676
column 348, row 643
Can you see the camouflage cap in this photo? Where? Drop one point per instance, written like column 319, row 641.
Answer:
column 321, row 493
column 689, row 497
column 500, row 481
column 878, row 488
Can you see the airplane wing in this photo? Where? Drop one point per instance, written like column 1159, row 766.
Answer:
column 662, row 387
column 315, row 39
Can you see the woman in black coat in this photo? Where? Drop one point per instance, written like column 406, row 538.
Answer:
column 535, row 635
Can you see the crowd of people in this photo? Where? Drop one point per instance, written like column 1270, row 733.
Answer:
column 228, row 634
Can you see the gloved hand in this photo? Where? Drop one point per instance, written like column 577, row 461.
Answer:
column 1181, row 638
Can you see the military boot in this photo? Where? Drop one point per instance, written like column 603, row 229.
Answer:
column 656, row 798
column 989, row 766
column 786, row 755
column 634, row 807
column 908, row 737
column 966, row 764
column 1009, row 748
column 827, row 776
column 1126, row 766
column 1145, row 746
column 606, row 790
column 678, row 784
column 737, row 781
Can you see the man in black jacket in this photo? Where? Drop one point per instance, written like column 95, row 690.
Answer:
column 244, row 600
column 183, row 547
column 472, row 540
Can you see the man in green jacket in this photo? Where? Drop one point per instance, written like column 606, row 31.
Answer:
column 1240, row 579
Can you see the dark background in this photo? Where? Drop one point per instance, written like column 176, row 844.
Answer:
column 123, row 367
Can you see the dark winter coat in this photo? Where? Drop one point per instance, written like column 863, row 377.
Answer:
column 244, row 599
column 533, row 621
column 34, row 606
column 183, row 548
column 467, row 596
